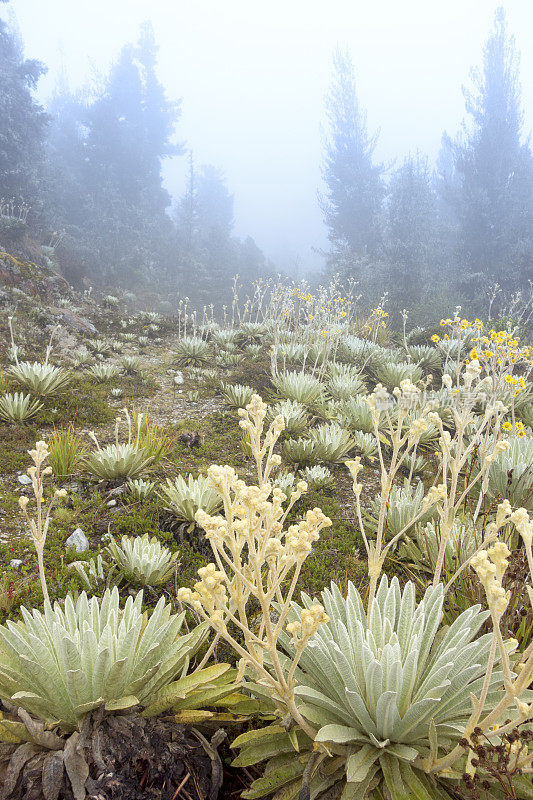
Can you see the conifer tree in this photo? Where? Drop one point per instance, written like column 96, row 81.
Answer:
column 130, row 126
column 491, row 191
column 22, row 122
column 410, row 230
column 354, row 185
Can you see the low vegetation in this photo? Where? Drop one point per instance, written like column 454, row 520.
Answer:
column 335, row 570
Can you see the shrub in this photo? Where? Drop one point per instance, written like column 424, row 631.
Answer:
column 356, row 415
column 184, row 497
column 227, row 359
column 80, row 357
column 425, row 357
column 18, row 407
column 343, row 387
column 392, row 373
column 299, row 386
column 251, row 333
column 191, row 350
column 118, row 461
column 421, row 548
column 317, row 478
column 236, row 395
column 142, row 560
column 404, row 504
column 101, row 347
column 284, row 481
column 303, row 452
column 61, row 664
column 355, row 350
column 333, row 441
column 384, row 689
column 291, row 352
column 366, row 444
column 131, row 364
column 223, row 337
column 294, row 416
column 43, row 380
column 103, row 372
column 414, row 465
column 139, row 490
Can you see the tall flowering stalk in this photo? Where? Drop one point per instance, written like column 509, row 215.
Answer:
column 512, row 709
column 474, row 434
column 38, row 524
column 403, row 441
column 256, row 557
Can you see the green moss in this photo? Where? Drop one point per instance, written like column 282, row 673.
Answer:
column 15, row 441
column 221, row 443
column 254, row 373
column 85, row 403
column 190, row 562
column 137, row 385
column 335, row 555
column 21, row 586
column 137, row 519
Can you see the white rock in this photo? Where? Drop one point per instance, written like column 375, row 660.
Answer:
column 15, row 563
column 25, row 480
column 78, row 541
column 112, row 503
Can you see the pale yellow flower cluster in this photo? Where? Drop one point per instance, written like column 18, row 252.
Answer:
column 209, row 592
column 435, row 494
column 523, row 524
column 39, row 524
column 490, row 566
column 254, row 554
column 310, row 621
column 499, row 447
column 355, row 468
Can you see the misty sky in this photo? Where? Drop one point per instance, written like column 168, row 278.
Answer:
column 253, row 77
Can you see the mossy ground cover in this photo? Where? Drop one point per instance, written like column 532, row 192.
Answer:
column 98, row 509
column 88, row 405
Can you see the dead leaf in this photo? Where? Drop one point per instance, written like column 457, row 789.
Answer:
column 46, row 739
column 76, row 766
column 17, row 761
column 53, row 768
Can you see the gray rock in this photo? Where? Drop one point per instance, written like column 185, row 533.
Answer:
column 74, row 321
column 78, row 541
column 25, row 480
column 15, row 563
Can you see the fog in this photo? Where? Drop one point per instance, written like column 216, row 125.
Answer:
column 252, row 79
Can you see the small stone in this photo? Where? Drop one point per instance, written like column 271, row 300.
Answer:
column 25, row 480
column 15, row 563
column 112, row 503
column 78, row 541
